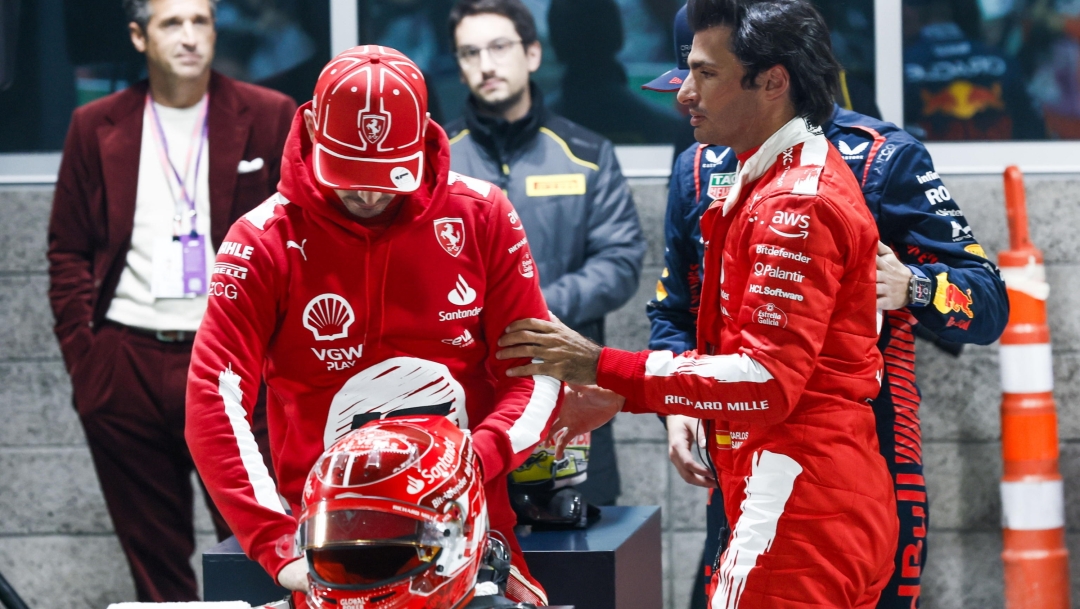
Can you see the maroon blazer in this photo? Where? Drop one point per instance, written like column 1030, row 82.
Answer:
column 94, row 204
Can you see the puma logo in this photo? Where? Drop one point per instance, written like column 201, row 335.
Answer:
column 300, row 246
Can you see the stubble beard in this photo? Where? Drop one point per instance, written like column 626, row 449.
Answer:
column 498, row 108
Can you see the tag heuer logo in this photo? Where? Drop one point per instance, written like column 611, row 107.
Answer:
column 720, row 184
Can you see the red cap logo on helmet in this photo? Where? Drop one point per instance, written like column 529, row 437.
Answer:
column 370, row 107
column 394, row 517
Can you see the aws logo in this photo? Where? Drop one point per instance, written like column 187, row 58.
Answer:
column 795, row 221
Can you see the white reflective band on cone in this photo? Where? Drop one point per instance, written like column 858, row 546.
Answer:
column 1032, row 506
column 1029, row 279
column 1026, row 368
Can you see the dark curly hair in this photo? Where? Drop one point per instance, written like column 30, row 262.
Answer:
column 514, row 10
column 766, row 33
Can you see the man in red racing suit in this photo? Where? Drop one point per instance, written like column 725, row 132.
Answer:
column 784, row 375
column 786, row 364
column 345, row 315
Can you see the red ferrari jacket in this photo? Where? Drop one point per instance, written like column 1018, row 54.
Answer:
column 343, row 321
column 787, row 363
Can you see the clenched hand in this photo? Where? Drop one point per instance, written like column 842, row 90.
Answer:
column 893, row 278
column 584, row 409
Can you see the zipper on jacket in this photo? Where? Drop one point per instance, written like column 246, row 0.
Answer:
column 367, row 285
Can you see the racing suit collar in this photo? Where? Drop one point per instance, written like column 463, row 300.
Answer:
column 745, row 155
column 299, row 186
column 500, row 137
column 795, row 132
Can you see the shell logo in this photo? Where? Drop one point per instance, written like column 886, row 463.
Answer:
column 328, row 316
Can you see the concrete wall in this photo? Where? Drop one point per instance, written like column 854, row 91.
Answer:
column 56, row 541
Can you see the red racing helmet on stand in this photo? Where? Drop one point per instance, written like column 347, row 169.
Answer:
column 394, row 517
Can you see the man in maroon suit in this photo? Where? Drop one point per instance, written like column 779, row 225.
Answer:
column 151, row 180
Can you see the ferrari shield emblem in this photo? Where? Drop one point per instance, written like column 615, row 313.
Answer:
column 451, row 235
column 373, row 127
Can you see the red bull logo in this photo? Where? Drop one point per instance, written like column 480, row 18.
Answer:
column 962, row 99
column 963, row 324
column 950, row 299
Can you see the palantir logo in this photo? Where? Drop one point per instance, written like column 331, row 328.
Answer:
column 328, row 316
column 462, row 294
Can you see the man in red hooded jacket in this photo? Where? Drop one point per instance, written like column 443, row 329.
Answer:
column 370, row 283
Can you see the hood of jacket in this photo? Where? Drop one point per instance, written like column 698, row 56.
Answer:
column 299, row 186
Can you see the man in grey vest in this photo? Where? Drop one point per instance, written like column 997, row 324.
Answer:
column 563, row 179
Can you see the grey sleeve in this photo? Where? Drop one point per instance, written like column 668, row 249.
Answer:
column 614, row 251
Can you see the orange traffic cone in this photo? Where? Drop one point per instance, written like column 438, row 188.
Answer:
column 1033, row 506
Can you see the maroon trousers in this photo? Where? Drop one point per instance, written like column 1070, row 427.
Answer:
column 129, row 393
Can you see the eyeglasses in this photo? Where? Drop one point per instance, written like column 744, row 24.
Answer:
column 498, row 50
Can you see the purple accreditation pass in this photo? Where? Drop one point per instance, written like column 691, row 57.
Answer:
column 194, row 249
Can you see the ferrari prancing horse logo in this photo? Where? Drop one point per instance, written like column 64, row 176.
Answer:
column 451, row 235
column 373, row 127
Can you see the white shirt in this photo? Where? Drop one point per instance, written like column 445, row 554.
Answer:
column 157, row 201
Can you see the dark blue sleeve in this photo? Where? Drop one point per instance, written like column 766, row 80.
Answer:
column 925, row 227
column 672, row 313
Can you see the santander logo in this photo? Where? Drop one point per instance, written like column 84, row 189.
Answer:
column 462, row 294
column 415, row 485
column 328, row 316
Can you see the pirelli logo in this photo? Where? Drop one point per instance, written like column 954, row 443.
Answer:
column 555, row 184
column 232, row 270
